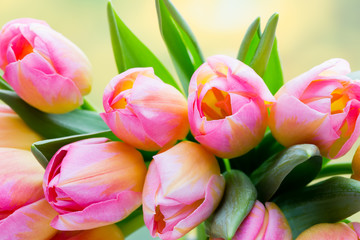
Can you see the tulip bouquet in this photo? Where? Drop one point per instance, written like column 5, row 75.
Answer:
column 227, row 151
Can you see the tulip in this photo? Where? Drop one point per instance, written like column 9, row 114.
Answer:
column 228, row 106
column 109, row 232
column 182, row 188
column 45, row 69
column 143, row 111
column 24, row 212
column 14, row 133
column 355, row 165
column 325, row 231
column 93, row 182
column 320, row 107
column 267, row 223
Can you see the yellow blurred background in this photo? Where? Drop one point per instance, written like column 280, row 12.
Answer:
column 309, row 32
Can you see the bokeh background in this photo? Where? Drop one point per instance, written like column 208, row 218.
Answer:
column 309, row 32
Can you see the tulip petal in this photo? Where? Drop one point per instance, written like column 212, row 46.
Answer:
column 292, row 122
column 109, row 232
column 325, row 231
column 99, row 214
column 29, row 222
column 160, row 114
column 213, row 193
column 278, row 227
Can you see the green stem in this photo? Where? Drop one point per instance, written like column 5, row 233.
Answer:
column 4, row 85
column 335, row 169
column 227, row 164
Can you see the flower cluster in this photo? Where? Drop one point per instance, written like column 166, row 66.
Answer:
column 149, row 158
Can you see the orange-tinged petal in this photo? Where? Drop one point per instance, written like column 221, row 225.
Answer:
column 326, row 231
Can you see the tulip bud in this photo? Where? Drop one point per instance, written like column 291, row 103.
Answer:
column 14, row 133
column 93, row 182
column 45, row 69
column 355, row 165
column 143, row 111
column 227, row 106
column 24, row 213
column 182, row 188
column 319, row 107
column 328, row 231
column 109, row 232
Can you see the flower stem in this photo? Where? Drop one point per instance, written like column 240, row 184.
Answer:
column 227, row 164
column 335, row 169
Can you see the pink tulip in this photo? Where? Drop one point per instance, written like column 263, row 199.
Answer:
column 109, row 232
column 182, row 188
column 45, row 69
column 327, row 231
column 93, row 182
column 320, row 107
column 14, row 133
column 143, row 111
column 24, row 213
column 265, row 223
column 228, row 106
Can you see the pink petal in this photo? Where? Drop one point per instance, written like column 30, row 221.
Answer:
column 99, row 214
column 325, row 231
column 278, row 227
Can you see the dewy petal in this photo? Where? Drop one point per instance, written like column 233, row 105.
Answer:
column 29, row 222
column 14, row 133
column 186, row 167
column 163, row 115
column 252, row 224
column 334, row 67
column 292, row 122
column 213, row 194
column 324, row 231
column 33, row 86
column 21, row 179
column 99, row 214
column 278, row 227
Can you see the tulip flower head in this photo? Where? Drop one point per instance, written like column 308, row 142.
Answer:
column 108, row 232
column 143, row 111
column 24, row 212
column 182, row 188
column 45, row 69
column 319, row 107
column 93, row 182
column 263, row 222
column 228, row 106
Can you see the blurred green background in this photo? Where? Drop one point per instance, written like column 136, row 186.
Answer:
column 309, row 32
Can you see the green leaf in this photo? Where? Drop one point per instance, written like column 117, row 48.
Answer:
column 130, row 52
column 4, row 85
column 180, row 41
column 263, row 51
column 335, row 169
column 273, row 76
column 326, row 202
column 294, row 167
column 45, row 150
column 54, row 125
column 238, row 200
column 250, row 42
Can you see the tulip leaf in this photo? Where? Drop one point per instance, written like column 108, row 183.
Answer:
column 132, row 222
column 294, row 167
column 238, row 200
column 4, row 85
column 44, row 150
column 130, row 52
column 263, row 51
column 250, row 42
column 180, row 41
column 54, row 125
column 329, row 201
